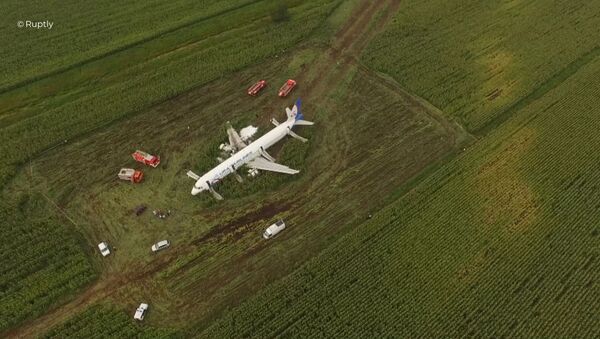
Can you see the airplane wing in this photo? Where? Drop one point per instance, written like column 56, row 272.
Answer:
column 235, row 140
column 260, row 163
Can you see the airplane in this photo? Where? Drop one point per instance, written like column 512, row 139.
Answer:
column 254, row 155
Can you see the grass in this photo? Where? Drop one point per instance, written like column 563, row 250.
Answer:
column 476, row 69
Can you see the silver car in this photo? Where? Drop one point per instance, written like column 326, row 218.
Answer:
column 140, row 313
column 161, row 245
column 274, row 229
column 103, row 247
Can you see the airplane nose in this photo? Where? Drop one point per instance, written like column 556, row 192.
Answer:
column 195, row 191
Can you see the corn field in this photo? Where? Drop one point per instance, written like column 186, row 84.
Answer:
column 42, row 260
column 500, row 242
column 101, row 321
column 476, row 60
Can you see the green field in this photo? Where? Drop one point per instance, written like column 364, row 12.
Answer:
column 97, row 32
column 477, row 61
column 500, row 242
column 104, row 321
column 85, row 91
column 97, row 92
column 217, row 248
column 217, row 244
column 400, row 223
column 41, row 259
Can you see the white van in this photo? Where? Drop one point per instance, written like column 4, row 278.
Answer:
column 103, row 247
column 274, row 229
column 161, row 245
column 140, row 312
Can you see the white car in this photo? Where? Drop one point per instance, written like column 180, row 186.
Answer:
column 103, row 247
column 161, row 245
column 274, row 229
column 140, row 312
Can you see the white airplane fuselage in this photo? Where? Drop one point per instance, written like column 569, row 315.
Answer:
column 240, row 158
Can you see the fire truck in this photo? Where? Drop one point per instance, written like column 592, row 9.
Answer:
column 257, row 87
column 287, row 88
column 130, row 174
column 145, row 158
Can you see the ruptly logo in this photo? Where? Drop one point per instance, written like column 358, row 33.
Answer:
column 35, row 24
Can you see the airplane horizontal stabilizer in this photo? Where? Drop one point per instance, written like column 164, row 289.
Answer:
column 193, row 175
column 265, row 165
column 304, row 123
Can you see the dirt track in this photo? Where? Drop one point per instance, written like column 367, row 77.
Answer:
column 332, row 66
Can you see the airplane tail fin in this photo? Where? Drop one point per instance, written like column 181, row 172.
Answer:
column 296, row 114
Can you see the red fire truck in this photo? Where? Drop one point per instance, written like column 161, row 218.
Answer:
column 257, row 87
column 145, row 158
column 130, row 174
column 287, row 88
